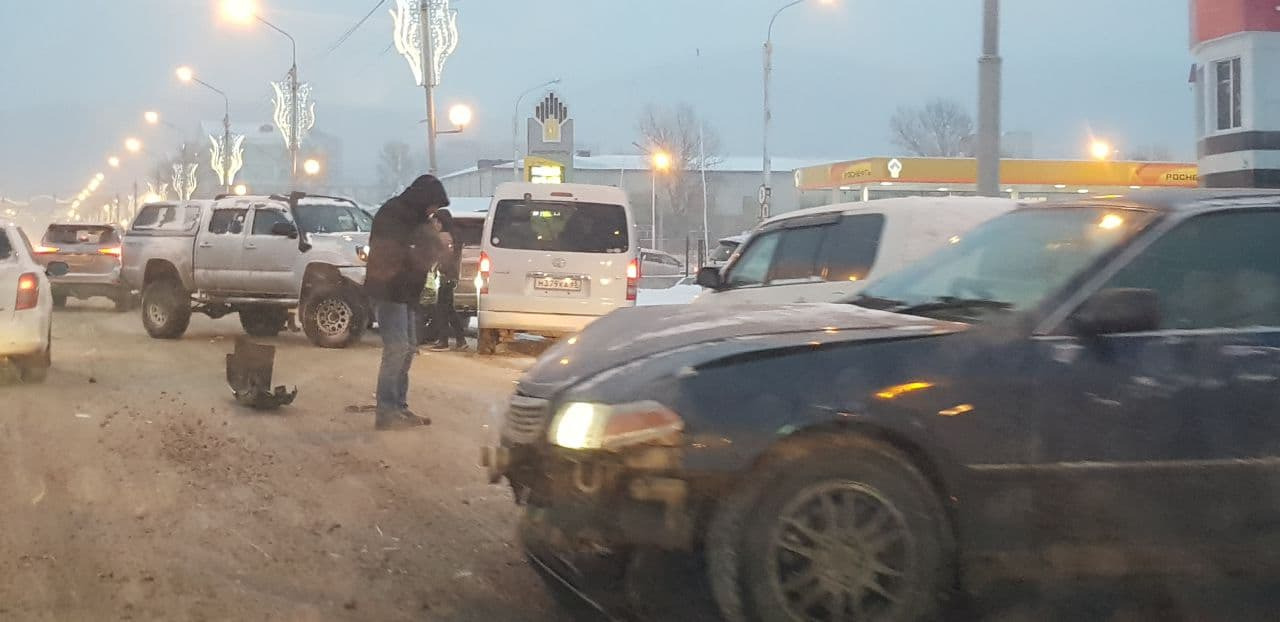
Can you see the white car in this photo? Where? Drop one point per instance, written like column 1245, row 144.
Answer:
column 829, row 253
column 26, row 305
column 554, row 257
column 681, row 291
column 659, row 263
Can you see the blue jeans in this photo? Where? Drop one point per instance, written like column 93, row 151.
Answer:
column 398, row 325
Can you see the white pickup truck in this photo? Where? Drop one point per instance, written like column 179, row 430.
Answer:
column 258, row 256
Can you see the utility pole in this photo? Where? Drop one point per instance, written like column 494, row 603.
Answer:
column 766, row 188
column 296, row 113
column 226, row 149
column 989, row 65
column 428, row 80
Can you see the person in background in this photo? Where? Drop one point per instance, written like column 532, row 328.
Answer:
column 402, row 248
column 447, row 320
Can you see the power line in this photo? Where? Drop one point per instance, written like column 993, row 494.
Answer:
column 352, row 30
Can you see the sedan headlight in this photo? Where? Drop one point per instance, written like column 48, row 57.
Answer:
column 362, row 252
column 582, row 425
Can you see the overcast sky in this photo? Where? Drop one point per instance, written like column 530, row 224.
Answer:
column 77, row 75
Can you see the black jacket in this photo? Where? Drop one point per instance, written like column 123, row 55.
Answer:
column 403, row 246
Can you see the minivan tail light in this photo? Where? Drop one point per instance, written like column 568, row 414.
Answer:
column 28, row 292
column 633, row 279
column 486, row 268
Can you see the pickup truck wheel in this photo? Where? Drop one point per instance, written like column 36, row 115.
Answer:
column 166, row 309
column 263, row 321
column 334, row 316
column 850, row 531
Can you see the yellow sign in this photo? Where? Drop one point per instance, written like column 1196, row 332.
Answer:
column 543, row 171
column 1073, row 173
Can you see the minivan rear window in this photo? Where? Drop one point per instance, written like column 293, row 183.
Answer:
column 560, row 227
column 79, row 234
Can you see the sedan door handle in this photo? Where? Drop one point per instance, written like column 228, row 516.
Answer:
column 206, row 245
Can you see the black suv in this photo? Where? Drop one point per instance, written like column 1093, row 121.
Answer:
column 1096, row 383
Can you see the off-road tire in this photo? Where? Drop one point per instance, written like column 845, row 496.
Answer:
column 166, row 309
column 740, row 544
column 487, row 341
column 334, row 316
column 263, row 321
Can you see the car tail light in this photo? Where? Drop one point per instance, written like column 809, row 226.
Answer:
column 486, row 268
column 28, row 291
column 46, row 250
column 633, row 279
column 114, row 251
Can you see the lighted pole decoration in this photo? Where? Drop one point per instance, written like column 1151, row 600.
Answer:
column 426, row 36
column 184, row 179
column 227, row 155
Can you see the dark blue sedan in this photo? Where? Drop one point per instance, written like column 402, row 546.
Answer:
column 1089, row 388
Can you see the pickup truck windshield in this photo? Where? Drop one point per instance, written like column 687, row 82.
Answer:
column 1011, row 263
column 332, row 218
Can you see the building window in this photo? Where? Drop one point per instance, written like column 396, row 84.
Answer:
column 1228, row 94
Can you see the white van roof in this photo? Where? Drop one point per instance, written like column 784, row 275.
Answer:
column 586, row 193
column 908, row 205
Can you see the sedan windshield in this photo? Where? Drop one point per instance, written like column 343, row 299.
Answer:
column 1011, row 263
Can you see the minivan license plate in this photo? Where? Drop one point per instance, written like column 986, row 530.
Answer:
column 558, row 284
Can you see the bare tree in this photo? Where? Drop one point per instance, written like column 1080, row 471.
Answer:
column 395, row 167
column 678, row 131
column 1151, row 153
column 939, row 128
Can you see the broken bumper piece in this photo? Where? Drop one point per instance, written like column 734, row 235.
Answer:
column 249, row 371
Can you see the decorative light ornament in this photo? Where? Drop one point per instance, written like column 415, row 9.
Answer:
column 184, row 179
column 160, row 194
column 235, row 159
column 283, row 102
column 443, row 24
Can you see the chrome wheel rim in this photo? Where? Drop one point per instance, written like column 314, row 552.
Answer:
column 841, row 552
column 156, row 314
column 333, row 316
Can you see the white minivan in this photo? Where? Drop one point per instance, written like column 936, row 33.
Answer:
column 829, row 253
column 553, row 258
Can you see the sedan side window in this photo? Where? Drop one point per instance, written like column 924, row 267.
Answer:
column 752, row 267
column 6, row 249
column 227, row 221
column 265, row 219
column 1213, row 271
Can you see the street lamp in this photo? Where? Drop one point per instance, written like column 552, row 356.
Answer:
column 240, row 190
column 1101, row 149
column 151, row 117
column 311, row 167
column 460, row 116
column 766, row 190
column 426, row 35
column 113, row 162
column 188, row 75
column 132, row 145
column 244, row 12
column 659, row 161
column 515, row 127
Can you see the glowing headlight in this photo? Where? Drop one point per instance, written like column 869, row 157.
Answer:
column 580, row 425
column 362, row 252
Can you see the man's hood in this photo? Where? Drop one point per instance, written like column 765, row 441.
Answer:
column 630, row 335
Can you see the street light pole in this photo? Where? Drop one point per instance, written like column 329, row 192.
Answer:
column 989, row 65
column 766, row 195
column 428, row 80
column 294, row 112
column 515, row 127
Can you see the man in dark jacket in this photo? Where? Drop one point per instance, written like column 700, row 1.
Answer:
column 447, row 319
column 402, row 249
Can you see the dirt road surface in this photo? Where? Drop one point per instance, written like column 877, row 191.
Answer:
column 134, row 488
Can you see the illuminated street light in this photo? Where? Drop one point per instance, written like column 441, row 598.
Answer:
column 132, row 145
column 113, row 162
column 99, row 177
column 239, row 11
column 185, row 73
column 240, row 190
column 660, row 160
column 311, row 167
column 1101, row 150
column 152, row 117
column 460, row 115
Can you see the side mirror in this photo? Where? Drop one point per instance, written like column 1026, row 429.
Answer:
column 1118, row 310
column 57, row 268
column 709, row 277
column 286, row 229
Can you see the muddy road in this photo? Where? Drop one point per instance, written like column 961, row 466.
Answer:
column 135, row 488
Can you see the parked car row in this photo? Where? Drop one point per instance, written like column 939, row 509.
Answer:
column 1058, row 381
